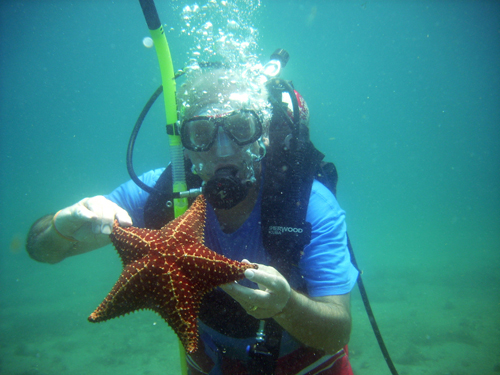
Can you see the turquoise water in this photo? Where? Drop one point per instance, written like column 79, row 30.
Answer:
column 404, row 98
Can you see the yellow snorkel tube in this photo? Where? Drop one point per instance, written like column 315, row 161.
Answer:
column 169, row 89
column 168, row 82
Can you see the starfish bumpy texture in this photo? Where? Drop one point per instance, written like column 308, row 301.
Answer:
column 168, row 271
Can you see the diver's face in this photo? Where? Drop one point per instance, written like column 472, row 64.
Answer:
column 216, row 138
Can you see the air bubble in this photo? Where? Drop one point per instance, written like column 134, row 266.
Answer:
column 148, row 42
column 232, row 24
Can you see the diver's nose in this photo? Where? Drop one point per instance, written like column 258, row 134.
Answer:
column 224, row 144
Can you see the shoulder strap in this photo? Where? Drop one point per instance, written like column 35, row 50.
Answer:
column 288, row 179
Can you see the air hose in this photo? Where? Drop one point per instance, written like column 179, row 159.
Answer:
column 371, row 316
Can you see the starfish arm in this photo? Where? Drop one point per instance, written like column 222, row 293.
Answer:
column 132, row 243
column 191, row 224
column 209, row 268
column 180, row 308
column 129, row 294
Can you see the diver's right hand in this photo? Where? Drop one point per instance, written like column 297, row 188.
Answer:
column 91, row 219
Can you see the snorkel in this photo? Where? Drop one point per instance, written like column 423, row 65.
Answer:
column 176, row 152
column 169, row 88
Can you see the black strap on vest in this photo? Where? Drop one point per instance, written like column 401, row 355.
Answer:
column 287, row 188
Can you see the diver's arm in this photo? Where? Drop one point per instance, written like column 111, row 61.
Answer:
column 74, row 230
column 321, row 322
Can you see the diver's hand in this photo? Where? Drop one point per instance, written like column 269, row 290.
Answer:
column 269, row 300
column 91, row 219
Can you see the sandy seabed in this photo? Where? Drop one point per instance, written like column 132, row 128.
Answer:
column 429, row 328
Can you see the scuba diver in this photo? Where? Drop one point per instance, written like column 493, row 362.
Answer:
column 268, row 203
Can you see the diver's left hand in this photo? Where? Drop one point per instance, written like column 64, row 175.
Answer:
column 267, row 301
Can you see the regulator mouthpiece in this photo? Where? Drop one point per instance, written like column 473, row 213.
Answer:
column 225, row 190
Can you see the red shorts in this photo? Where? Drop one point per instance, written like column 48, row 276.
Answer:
column 303, row 361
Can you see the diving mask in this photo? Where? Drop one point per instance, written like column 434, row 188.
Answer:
column 241, row 126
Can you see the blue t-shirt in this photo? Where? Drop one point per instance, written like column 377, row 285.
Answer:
column 325, row 267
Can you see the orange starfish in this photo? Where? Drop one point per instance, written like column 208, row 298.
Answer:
column 168, row 271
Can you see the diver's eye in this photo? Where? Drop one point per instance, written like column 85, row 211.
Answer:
column 244, row 126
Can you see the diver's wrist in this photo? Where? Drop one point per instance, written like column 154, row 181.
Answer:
column 61, row 235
